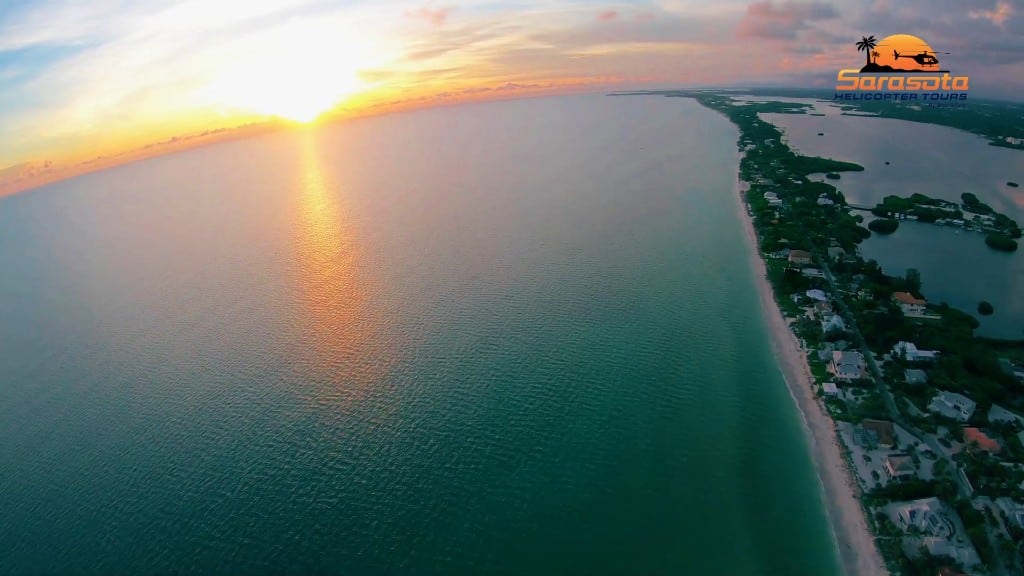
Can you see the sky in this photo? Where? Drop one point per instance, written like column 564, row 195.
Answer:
column 93, row 81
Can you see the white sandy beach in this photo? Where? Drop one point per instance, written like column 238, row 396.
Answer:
column 858, row 554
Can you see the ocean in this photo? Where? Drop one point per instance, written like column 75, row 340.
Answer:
column 504, row 338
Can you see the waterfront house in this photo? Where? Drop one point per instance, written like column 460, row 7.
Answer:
column 812, row 273
column 822, row 309
column 952, row 405
column 875, row 433
column 772, row 198
column 927, row 516
column 799, row 257
column 910, row 305
column 910, row 352
column 817, row 295
column 900, row 466
column 846, row 365
column 830, row 389
column 979, row 441
column 833, row 323
column 836, row 253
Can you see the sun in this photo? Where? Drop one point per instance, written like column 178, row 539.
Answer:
column 298, row 75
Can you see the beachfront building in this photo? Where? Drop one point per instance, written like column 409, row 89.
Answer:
column 952, row 405
column 929, row 523
column 772, row 198
column 846, row 365
column 830, row 389
column 910, row 352
column 833, row 323
column 812, row 273
column 926, row 516
column 900, row 466
column 909, row 305
column 799, row 257
column 817, row 295
column 836, row 253
column 873, row 434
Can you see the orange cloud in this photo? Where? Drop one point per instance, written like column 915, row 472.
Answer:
column 997, row 16
column 435, row 16
column 607, row 15
column 783, row 20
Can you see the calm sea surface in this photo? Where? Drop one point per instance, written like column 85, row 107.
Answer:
column 515, row 338
column 942, row 163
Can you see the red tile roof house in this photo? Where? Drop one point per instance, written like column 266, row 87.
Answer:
column 975, row 437
column 909, row 304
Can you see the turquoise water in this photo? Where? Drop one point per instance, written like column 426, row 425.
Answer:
column 519, row 337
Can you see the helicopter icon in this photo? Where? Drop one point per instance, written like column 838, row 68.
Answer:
column 924, row 58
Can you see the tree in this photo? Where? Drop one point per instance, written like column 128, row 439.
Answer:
column 866, row 45
column 913, row 280
column 985, row 308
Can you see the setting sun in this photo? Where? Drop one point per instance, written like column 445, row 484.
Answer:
column 298, row 74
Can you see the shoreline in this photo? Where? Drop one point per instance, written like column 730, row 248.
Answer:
column 855, row 546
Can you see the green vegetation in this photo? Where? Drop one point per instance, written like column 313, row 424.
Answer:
column 1001, row 242
column 1012, row 184
column 985, row 308
column 832, row 176
column 884, row 225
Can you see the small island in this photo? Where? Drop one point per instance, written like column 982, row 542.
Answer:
column 1012, row 184
column 985, row 308
column 884, row 225
column 972, row 214
column 1001, row 242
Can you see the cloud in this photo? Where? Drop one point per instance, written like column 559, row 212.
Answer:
column 997, row 16
column 435, row 16
column 607, row 15
column 783, row 20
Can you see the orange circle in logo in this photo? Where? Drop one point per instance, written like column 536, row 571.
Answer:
column 905, row 52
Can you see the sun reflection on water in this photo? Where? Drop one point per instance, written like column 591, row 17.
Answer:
column 346, row 351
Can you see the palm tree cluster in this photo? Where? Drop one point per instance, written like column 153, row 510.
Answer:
column 866, row 45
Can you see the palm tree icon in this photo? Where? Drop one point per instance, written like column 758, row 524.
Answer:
column 866, row 45
column 876, row 54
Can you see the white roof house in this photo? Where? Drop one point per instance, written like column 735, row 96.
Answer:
column 833, row 323
column 910, row 351
column 830, row 389
column 818, row 295
column 846, row 365
column 927, row 515
column 999, row 414
column 952, row 405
